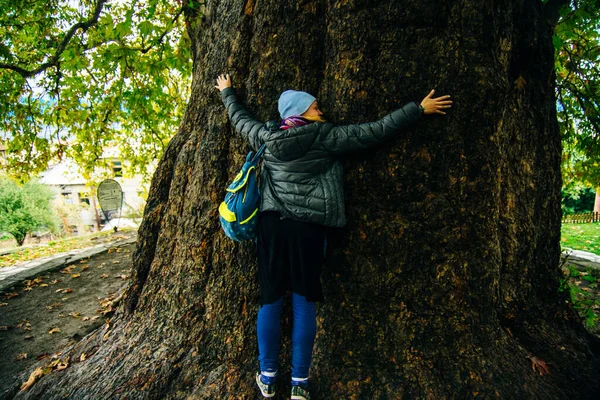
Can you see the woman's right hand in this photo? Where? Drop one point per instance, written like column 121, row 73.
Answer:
column 435, row 106
column 223, row 81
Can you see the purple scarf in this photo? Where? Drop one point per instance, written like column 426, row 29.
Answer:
column 293, row 122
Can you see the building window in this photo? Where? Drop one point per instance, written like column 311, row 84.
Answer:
column 84, row 197
column 67, row 198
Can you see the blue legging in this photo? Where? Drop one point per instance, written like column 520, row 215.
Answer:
column 303, row 335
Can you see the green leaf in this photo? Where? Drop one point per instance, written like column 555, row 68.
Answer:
column 557, row 42
column 146, row 27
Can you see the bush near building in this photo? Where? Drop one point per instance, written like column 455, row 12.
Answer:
column 25, row 209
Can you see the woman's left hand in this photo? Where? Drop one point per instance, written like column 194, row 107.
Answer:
column 435, row 106
column 223, row 81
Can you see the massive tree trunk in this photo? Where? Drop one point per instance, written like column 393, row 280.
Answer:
column 445, row 279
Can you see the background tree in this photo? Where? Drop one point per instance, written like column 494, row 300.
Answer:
column 118, row 76
column 123, row 73
column 576, row 41
column 443, row 284
column 25, row 209
column 577, row 198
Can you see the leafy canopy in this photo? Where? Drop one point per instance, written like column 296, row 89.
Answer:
column 25, row 209
column 80, row 76
column 577, row 56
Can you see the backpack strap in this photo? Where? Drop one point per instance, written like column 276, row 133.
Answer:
column 259, row 153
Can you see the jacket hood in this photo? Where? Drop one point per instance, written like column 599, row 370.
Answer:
column 290, row 144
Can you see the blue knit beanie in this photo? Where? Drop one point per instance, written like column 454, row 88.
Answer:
column 293, row 102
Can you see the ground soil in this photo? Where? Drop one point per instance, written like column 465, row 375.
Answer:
column 79, row 305
column 75, row 300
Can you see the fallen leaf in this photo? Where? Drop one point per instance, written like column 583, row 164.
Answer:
column 43, row 285
column 3, row 304
column 540, row 365
column 84, row 267
column 75, row 314
column 54, row 305
column 53, row 330
column 27, row 289
column 24, row 325
column 116, row 262
column 75, row 276
column 21, row 356
column 103, row 276
column 64, row 298
column 11, row 295
column 3, row 328
column 85, row 318
column 62, row 365
column 82, row 357
column 520, row 82
column 28, row 337
column 29, row 283
column 35, row 375
column 55, row 362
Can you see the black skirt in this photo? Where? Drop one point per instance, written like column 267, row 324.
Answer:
column 290, row 256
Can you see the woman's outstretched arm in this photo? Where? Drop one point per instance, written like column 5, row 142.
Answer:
column 241, row 119
column 347, row 138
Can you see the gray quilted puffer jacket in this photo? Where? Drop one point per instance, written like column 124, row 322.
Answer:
column 301, row 174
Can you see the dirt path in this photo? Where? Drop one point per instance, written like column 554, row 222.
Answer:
column 41, row 316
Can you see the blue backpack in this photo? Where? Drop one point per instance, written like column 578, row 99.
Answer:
column 239, row 212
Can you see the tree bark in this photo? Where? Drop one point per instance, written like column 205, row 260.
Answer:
column 444, row 282
column 20, row 238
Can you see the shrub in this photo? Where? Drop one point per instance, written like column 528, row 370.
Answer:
column 25, row 209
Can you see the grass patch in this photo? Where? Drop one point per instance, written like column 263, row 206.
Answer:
column 583, row 291
column 584, row 237
column 59, row 246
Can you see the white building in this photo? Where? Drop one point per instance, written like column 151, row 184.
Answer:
column 74, row 196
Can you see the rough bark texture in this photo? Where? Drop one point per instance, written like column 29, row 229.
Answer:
column 445, row 279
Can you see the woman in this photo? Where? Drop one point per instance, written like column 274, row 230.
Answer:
column 301, row 195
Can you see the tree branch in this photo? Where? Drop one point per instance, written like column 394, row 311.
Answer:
column 142, row 49
column 559, row 89
column 583, row 103
column 84, row 25
column 161, row 37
